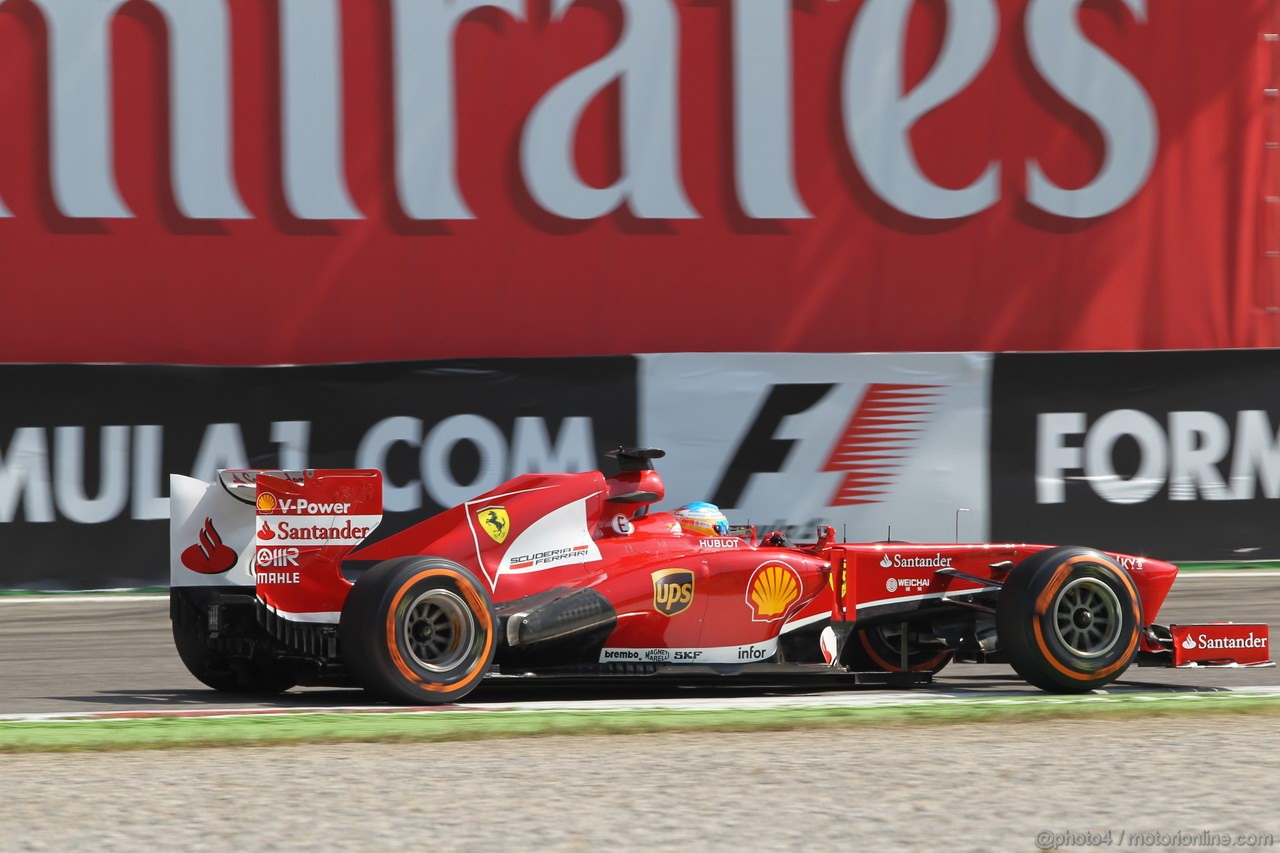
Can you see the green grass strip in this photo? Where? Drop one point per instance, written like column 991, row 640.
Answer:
column 296, row 728
column 1228, row 566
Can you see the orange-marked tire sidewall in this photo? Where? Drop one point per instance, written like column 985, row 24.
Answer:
column 372, row 631
column 476, row 665
column 1128, row 643
column 1041, row 624
column 1029, row 627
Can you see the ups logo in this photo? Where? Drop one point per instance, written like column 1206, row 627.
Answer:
column 672, row 591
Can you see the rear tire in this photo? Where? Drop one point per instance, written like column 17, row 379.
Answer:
column 418, row 631
column 1069, row 619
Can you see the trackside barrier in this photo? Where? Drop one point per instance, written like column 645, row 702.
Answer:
column 1172, row 454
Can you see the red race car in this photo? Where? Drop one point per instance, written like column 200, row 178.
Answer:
column 573, row 575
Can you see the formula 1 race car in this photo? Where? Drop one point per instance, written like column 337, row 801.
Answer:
column 573, row 575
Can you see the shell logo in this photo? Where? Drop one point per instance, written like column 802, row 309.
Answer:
column 773, row 588
column 267, row 502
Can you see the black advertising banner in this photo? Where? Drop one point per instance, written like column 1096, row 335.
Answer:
column 1167, row 454
column 86, row 450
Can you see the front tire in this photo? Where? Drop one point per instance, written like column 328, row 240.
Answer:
column 1069, row 619
column 418, row 631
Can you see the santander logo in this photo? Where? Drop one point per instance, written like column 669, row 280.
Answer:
column 209, row 556
column 937, row 561
column 1204, row 641
column 917, row 584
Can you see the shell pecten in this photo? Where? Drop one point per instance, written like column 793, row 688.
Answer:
column 773, row 590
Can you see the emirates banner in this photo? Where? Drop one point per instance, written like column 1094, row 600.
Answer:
column 1172, row 454
column 305, row 181
column 86, row 450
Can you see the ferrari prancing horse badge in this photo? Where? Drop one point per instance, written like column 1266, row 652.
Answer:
column 495, row 521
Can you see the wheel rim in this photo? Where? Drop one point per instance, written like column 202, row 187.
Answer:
column 1087, row 617
column 439, row 630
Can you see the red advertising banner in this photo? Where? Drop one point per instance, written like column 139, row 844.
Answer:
column 252, row 182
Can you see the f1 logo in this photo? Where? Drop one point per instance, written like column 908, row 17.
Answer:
column 882, row 427
column 759, row 452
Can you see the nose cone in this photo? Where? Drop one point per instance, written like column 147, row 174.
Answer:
column 1160, row 570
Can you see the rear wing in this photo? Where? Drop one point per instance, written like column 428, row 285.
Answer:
column 283, row 533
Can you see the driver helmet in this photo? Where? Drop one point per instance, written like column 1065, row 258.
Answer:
column 702, row 518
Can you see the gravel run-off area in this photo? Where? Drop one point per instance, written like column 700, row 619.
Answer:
column 932, row 787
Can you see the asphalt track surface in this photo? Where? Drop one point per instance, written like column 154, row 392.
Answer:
column 105, row 654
